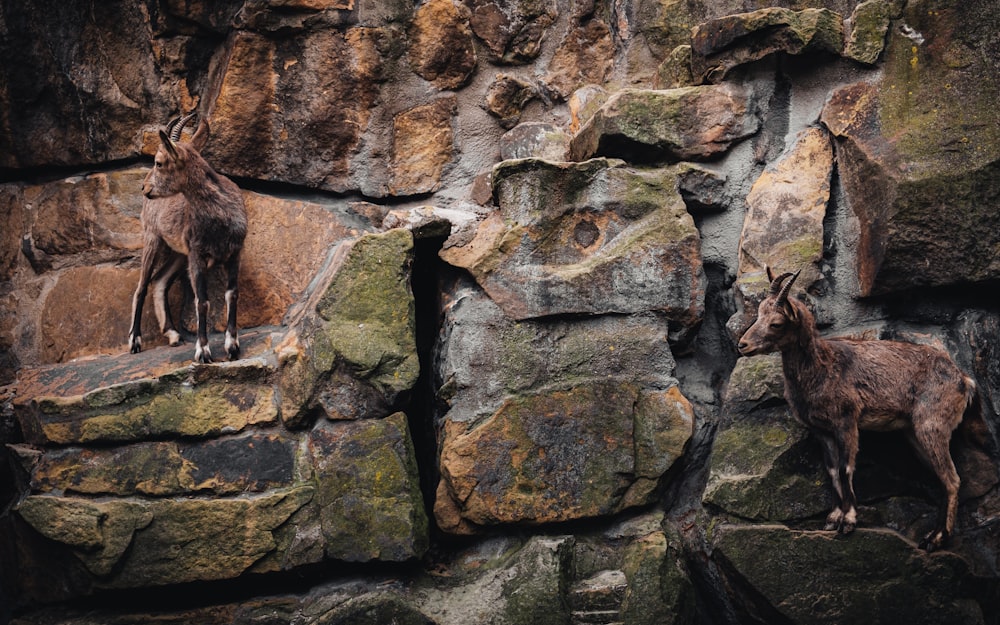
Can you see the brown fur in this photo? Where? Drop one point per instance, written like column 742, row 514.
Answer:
column 838, row 386
column 191, row 214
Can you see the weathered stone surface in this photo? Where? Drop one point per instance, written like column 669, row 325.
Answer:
column 703, row 189
column 486, row 357
column 874, row 576
column 440, row 47
column 584, row 56
column 368, row 490
column 506, row 97
column 88, row 219
column 285, row 248
column 584, row 104
column 783, row 227
column 593, row 237
column 78, row 81
column 658, row 589
column 650, row 30
column 512, row 29
column 423, row 143
column 562, row 454
column 284, row 16
column 869, row 25
column 691, row 123
column 721, row 44
column 763, row 465
column 294, row 110
column 918, row 153
column 535, row 140
column 211, row 400
column 229, row 466
column 130, row 544
column 675, row 70
column 361, row 317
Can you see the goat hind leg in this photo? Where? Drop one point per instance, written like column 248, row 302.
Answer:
column 151, row 251
column 934, row 450
column 831, row 459
column 160, row 287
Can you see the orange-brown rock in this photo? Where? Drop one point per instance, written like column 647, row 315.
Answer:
column 584, row 56
column 422, row 144
column 513, row 30
column 440, row 46
column 295, row 110
column 783, row 227
column 689, row 123
column 721, row 44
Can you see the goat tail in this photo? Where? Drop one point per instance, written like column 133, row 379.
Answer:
column 973, row 427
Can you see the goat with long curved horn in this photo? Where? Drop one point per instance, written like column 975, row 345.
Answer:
column 191, row 215
column 838, row 386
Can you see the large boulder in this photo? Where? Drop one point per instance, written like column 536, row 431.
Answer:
column 295, row 110
column 764, row 466
column 688, row 123
column 235, row 492
column 512, row 30
column 552, row 420
column 78, row 81
column 595, row 237
column 872, row 576
column 721, row 44
column 918, row 153
column 353, row 349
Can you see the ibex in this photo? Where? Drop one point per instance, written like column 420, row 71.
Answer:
column 837, row 386
column 190, row 214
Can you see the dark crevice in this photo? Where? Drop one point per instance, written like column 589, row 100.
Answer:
column 427, row 275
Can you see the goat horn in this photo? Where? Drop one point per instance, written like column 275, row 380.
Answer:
column 176, row 127
column 783, row 295
column 776, row 283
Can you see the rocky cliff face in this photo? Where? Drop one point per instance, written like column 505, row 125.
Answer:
column 499, row 255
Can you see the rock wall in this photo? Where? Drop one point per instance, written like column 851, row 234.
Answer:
column 499, row 255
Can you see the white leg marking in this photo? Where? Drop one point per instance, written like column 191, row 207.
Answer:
column 173, row 337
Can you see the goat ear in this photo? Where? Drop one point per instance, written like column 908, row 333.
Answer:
column 169, row 145
column 790, row 311
column 200, row 137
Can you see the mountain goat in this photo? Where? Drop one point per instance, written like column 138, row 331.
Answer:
column 837, row 386
column 190, row 214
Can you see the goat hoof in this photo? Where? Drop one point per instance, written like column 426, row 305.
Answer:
column 173, row 338
column 135, row 345
column 847, row 528
column 935, row 540
column 202, row 354
column 831, row 526
column 232, row 347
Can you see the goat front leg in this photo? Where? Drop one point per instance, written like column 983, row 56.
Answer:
column 199, row 284
column 232, row 297
column 831, row 460
column 150, row 252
